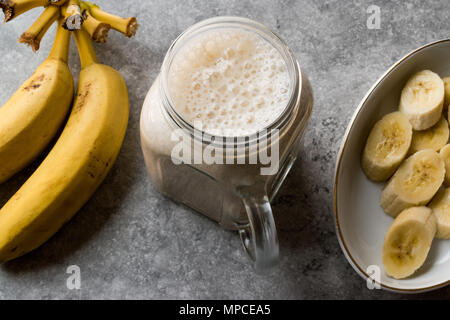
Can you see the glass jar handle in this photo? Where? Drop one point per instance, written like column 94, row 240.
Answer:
column 259, row 237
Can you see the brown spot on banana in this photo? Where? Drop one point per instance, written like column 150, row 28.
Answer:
column 82, row 97
column 35, row 83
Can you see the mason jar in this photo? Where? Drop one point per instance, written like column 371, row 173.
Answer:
column 234, row 190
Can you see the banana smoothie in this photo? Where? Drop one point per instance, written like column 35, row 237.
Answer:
column 232, row 81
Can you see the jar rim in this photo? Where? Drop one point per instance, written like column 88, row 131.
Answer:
column 249, row 25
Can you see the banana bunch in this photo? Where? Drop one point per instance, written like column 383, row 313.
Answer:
column 85, row 151
column 409, row 149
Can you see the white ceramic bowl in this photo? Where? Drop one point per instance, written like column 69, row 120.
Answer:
column 360, row 222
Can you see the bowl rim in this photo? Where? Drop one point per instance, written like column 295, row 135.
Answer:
column 360, row 271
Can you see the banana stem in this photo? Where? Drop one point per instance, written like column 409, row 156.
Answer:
column 60, row 49
column 85, row 48
column 14, row 8
column 37, row 42
column 97, row 30
column 57, row 2
column 29, row 37
column 127, row 26
column 72, row 14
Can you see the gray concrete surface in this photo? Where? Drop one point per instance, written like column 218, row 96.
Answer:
column 131, row 242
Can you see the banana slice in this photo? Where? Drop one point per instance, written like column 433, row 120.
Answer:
column 434, row 138
column 445, row 155
column 387, row 146
column 415, row 183
column 447, row 92
column 422, row 99
column 441, row 209
column 408, row 241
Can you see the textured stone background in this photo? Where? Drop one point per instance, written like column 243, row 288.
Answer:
column 131, row 242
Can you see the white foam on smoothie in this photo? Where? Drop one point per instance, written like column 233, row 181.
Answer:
column 232, row 81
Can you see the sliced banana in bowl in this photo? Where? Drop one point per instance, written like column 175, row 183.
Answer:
column 415, row 183
column 408, row 242
column 422, row 99
column 441, row 209
column 447, row 92
column 387, row 146
column 434, row 138
column 445, row 155
column 361, row 223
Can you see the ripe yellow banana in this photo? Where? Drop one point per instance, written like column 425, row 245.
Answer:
column 422, row 99
column 408, row 242
column 387, row 146
column 34, row 114
column 434, row 138
column 78, row 163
